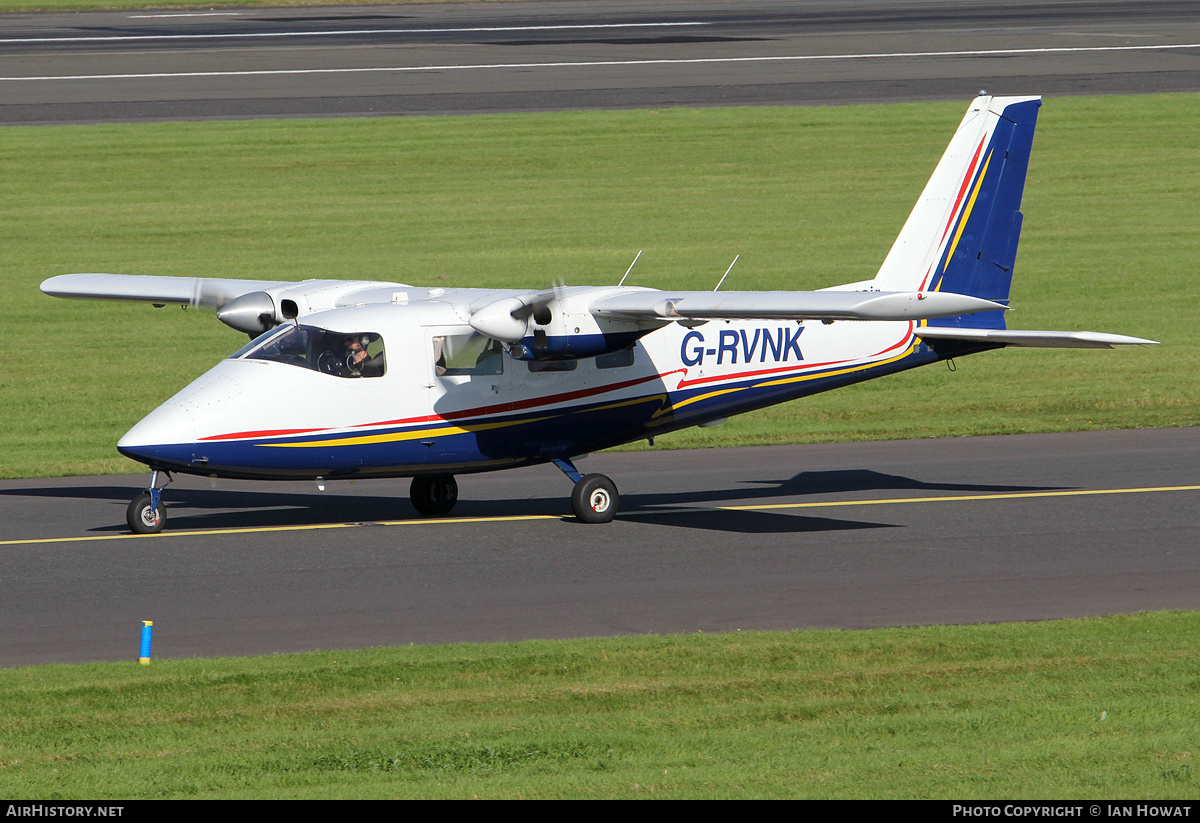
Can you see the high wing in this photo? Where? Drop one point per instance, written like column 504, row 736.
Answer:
column 186, row 291
column 789, row 305
column 252, row 306
column 577, row 322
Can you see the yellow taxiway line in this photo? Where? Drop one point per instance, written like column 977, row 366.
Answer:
column 450, row 521
column 962, row 497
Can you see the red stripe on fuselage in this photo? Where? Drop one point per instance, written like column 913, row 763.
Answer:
column 797, row 367
column 264, row 433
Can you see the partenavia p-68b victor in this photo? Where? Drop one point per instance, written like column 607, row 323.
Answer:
column 347, row 379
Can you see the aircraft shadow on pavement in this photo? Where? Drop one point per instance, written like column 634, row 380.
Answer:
column 192, row 508
column 814, row 483
column 748, row 521
column 863, row 480
column 665, row 509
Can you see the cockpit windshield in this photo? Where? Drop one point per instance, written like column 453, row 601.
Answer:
column 358, row 354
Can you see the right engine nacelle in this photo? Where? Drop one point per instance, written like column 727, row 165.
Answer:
column 557, row 326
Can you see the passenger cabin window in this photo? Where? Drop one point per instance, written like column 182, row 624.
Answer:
column 615, row 360
column 467, row 355
column 537, row 366
column 358, row 354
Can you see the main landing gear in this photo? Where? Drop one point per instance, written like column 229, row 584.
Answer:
column 146, row 513
column 593, row 500
column 433, row 496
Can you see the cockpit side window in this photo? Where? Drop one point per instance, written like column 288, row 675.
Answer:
column 358, row 354
column 257, row 341
column 467, row 354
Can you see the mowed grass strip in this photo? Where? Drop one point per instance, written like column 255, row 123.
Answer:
column 1094, row 708
column 808, row 196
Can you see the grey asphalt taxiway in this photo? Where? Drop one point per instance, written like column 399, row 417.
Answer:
column 846, row 535
column 569, row 54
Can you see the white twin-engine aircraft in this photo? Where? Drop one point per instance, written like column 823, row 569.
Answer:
column 348, row 379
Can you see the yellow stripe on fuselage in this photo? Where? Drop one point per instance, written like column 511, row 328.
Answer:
column 669, row 409
column 395, row 437
column 800, row 378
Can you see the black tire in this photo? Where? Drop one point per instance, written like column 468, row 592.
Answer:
column 595, row 499
column 141, row 520
column 434, row 496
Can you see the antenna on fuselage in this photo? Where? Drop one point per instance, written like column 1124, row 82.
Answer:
column 727, row 271
column 631, row 265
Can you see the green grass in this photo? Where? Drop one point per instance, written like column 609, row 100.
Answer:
column 810, row 197
column 1094, row 708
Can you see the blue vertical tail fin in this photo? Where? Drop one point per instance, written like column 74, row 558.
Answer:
column 962, row 235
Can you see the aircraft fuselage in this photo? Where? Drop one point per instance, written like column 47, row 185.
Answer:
column 281, row 417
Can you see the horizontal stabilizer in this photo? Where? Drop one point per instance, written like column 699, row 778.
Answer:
column 1035, row 339
column 789, row 305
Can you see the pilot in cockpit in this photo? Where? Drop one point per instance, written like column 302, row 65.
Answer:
column 358, row 360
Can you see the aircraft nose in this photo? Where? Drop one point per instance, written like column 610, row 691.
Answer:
column 167, row 437
column 170, row 423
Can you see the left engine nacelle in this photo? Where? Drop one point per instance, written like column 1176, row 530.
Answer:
column 252, row 313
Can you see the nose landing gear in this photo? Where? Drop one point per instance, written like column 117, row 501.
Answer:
column 146, row 513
